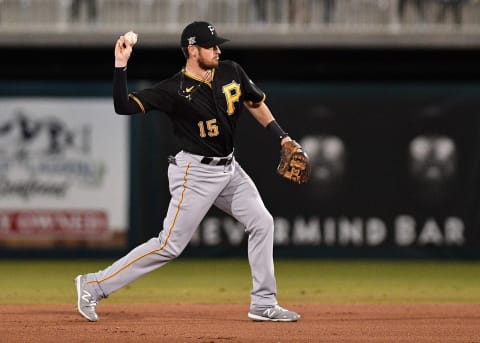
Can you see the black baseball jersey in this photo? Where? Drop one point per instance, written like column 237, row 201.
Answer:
column 204, row 114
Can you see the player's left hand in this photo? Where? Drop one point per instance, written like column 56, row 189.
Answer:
column 294, row 162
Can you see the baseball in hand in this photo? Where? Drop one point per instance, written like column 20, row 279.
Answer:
column 132, row 37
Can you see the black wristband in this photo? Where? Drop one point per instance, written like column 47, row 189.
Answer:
column 276, row 130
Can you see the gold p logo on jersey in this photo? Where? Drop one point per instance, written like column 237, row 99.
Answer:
column 232, row 95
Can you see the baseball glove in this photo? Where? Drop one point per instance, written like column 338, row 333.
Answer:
column 294, row 163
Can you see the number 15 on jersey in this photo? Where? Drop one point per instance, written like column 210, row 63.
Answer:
column 208, row 127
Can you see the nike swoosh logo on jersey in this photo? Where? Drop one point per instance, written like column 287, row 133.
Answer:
column 189, row 89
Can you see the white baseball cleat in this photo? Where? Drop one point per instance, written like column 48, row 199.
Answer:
column 273, row 314
column 86, row 302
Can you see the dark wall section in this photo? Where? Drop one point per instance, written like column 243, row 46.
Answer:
column 316, row 64
column 395, row 172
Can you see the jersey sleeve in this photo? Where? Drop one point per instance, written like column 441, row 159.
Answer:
column 250, row 91
column 154, row 98
column 122, row 103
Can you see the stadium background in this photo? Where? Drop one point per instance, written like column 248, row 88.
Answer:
column 387, row 109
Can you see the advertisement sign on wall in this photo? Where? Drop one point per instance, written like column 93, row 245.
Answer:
column 63, row 170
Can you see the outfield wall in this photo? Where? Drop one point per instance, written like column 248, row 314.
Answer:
column 394, row 149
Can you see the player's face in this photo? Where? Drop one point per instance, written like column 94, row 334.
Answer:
column 208, row 57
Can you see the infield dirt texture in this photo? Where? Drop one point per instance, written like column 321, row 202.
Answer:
column 207, row 301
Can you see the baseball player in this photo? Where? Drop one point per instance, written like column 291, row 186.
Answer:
column 203, row 101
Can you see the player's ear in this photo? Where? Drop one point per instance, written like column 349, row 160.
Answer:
column 189, row 50
column 193, row 50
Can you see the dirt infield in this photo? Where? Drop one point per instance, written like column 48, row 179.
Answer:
column 228, row 323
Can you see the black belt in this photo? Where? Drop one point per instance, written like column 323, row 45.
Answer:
column 217, row 161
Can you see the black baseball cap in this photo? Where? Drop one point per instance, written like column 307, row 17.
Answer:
column 201, row 33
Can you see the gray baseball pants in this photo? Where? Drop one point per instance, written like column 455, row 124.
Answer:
column 194, row 188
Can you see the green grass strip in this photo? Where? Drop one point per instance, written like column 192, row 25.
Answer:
column 229, row 281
